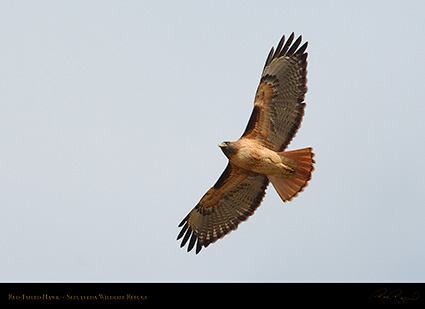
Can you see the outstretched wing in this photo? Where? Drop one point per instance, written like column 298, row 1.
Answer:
column 234, row 197
column 278, row 106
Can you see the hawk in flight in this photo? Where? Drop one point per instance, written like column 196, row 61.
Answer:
column 258, row 157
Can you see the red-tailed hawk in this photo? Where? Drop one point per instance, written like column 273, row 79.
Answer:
column 258, row 156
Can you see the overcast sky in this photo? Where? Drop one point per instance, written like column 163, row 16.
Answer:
column 110, row 117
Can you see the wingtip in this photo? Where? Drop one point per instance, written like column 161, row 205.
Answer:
column 286, row 48
column 189, row 237
column 294, row 46
column 302, row 49
column 198, row 247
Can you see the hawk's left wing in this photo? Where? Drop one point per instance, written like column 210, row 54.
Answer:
column 278, row 106
column 234, row 197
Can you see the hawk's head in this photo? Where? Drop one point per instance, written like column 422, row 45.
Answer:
column 229, row 148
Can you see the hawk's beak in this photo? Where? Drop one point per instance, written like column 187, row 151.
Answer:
column 222, row 145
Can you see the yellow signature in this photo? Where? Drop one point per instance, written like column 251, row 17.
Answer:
column 397, row 296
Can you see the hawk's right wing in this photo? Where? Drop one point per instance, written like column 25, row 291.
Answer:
column 234, row 197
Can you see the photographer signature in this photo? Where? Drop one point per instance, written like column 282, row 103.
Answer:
column 393, row 296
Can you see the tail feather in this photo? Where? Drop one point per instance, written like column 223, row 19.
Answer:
column 302, row 162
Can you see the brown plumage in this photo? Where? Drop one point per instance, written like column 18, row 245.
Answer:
column 258, row 156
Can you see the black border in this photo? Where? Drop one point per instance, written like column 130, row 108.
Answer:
column 278, row 294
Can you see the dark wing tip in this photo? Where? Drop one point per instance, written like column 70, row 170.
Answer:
column 270, row 56
column 185, row 227
column 192, row 242
column 183, row 221
column 294, row 46
column 187, row 233
column 286, row 48
column 302, row 49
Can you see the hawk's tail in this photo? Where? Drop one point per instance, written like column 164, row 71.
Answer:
column 301, row 161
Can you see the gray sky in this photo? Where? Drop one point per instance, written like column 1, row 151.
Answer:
column 110, row 116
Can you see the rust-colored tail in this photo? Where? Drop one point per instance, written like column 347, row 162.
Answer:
column 302, row 162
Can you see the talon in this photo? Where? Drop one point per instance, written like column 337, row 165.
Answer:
column 288, row 169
